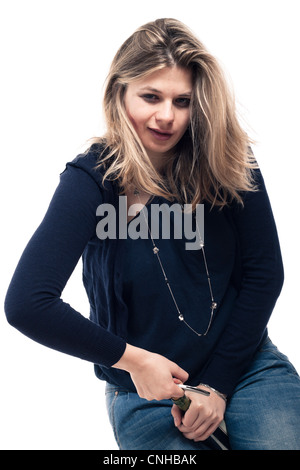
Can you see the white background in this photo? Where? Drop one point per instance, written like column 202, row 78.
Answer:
column 54, row 59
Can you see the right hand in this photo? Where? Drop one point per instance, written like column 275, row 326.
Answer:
column 152, row 374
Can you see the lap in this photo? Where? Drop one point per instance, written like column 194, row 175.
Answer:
column 262, row 414
column 139, row 424
column 264, row 411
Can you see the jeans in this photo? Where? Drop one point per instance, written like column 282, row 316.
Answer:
column 262, row 414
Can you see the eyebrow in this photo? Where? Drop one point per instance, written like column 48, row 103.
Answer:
column 148, row 88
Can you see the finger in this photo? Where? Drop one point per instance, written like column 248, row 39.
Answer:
column 200, row 433
column 179, row 373
column 205, row 435
column 188, row 429
column 177, row 381
column 193, row 417
column 177, row 415
column 176, row 393
column 179, row 390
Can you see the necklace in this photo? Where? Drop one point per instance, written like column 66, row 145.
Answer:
column 155, row 249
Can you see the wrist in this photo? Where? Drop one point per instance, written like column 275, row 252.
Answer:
column 221, row 395
column 132, row 359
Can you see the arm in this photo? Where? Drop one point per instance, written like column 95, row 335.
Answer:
column 261, row 283
column 152, row 374
column 33, row 304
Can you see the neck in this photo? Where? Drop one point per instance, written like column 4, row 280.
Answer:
column 160, row 161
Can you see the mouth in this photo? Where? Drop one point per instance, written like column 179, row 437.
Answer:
column 160, row 135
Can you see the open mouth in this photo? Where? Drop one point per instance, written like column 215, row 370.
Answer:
column 160, row 135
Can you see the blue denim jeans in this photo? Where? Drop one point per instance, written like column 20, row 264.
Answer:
column 262, row 414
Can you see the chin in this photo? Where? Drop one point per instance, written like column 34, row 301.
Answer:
column 159, row 149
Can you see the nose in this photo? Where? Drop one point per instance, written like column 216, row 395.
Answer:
column 165, row 113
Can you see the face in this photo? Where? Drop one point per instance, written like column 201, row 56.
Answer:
column 158, row 106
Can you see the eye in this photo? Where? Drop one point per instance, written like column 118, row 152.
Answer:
column 150, row 98
column 182, row 102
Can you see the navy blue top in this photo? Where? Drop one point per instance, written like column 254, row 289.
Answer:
column 129, row 300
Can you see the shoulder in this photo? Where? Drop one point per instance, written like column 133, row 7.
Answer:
column 88, row 162
column 252, row 198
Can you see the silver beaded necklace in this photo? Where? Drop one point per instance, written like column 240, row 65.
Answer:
column 181, row 317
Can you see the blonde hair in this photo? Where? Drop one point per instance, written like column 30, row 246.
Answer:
column 212, row 161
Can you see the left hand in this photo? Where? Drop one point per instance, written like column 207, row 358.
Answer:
column 203, row 416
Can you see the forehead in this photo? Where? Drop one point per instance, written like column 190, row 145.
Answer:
column 169, row 79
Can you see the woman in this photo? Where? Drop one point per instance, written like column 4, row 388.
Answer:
column 163, row 312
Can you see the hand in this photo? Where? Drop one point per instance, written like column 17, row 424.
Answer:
column 202, row 418
column 152, row 374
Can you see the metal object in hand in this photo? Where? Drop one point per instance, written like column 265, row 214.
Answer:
column 189, row 388
column 184, row 402
column 220, row 434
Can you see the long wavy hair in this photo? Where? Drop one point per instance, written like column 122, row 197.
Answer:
column 212, row 161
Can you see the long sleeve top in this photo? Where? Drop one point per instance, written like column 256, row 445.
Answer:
column 245, row 265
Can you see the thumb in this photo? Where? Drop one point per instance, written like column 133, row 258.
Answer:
column 179, row 373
